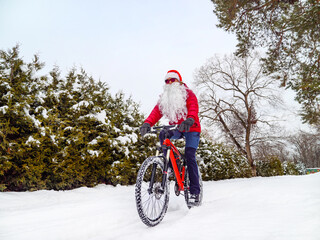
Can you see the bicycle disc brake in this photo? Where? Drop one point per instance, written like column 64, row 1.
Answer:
column 158, row 191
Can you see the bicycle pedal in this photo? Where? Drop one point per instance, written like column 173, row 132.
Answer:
column 190, row 205
column 193, row 204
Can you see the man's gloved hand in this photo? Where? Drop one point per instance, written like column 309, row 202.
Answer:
column 145, row 128
column 186, row 124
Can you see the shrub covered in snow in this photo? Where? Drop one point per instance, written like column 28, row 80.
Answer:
column 64, row 132
column 221, row 162
column 272, row 166
column 269, row 167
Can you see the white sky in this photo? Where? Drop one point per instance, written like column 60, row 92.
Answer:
column 129, row 44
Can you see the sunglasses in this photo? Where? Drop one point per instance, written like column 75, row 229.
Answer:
column 171, row 80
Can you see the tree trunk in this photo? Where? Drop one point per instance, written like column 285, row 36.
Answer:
column 247, row 142
column 250, row 160
column 234, row 140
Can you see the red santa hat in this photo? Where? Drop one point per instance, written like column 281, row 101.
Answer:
column 173, row 74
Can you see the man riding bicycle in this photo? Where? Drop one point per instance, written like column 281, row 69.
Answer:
column 180, row 105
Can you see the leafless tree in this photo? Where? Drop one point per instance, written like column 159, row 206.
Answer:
column 235, row 95
column 281, row 148
column 307, row 148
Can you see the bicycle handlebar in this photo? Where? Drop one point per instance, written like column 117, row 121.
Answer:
column 156, row 130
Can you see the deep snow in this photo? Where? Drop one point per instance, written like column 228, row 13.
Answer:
column 286, row 208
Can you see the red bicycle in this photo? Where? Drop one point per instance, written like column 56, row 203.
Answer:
column 152, row 188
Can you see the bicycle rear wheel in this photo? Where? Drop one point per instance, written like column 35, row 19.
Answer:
column 152, row 202
column 186, row 189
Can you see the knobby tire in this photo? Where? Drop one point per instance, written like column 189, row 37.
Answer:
column 153, row 206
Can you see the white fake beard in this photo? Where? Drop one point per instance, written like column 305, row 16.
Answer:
column 172, row 102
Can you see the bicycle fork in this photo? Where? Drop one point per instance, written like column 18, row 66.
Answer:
column 180, row 180
column 164, row 174
column 165, row 169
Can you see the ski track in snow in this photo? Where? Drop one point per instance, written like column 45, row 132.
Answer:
column 275, row 208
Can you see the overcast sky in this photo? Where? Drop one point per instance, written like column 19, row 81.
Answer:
column 129, row 44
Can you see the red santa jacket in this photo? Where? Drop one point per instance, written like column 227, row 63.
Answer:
column 193, row 110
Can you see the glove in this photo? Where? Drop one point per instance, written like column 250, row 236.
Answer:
column 145, row 128
column 186, row 124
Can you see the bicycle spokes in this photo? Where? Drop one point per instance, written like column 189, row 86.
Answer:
column 152, row 198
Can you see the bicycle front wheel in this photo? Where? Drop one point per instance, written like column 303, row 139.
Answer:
column 151, row 199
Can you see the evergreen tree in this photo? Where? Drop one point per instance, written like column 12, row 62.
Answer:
column 19, row 96
column 62, row 133
column 134, row 148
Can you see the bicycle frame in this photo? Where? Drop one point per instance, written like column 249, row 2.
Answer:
column 172, row 150
column 172, row 155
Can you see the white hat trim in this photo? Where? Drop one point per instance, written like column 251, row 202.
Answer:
column 172, row 75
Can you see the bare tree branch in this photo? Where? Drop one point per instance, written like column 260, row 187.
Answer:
column 232, row 90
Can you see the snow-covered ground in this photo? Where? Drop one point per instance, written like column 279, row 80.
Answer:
column 286, row 208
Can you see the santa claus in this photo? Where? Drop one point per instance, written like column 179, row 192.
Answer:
column 180, row 106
